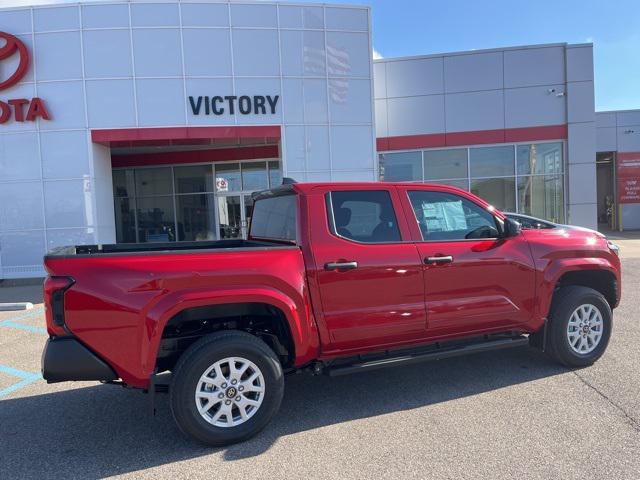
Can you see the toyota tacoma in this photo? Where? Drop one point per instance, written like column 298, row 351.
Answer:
column 334, row 278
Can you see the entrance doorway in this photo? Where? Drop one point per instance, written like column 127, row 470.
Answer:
column 173, row 184
column 189, row 202
column 605, row 178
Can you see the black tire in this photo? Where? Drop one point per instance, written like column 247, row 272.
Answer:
column 565, row 302
column 197, row 359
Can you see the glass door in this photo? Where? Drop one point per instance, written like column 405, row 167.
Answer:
column 230, row 216
column 248, row 211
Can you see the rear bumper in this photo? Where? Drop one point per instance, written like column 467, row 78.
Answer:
column 65, row 359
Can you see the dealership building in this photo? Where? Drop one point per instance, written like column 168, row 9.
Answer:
column 155, row 121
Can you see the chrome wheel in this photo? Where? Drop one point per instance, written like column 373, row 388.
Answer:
column 230, row 392
column 585, row 329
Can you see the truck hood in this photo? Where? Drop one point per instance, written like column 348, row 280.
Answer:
column 568, row 242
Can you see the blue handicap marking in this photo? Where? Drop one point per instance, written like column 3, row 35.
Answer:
column 14, row 322
column 26, row 378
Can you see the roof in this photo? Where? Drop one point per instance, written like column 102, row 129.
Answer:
column 305, row 188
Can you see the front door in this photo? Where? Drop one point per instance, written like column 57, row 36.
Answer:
column 367, row 270
column 474, row 280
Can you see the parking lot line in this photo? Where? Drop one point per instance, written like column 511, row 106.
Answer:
column 26, row 378
column 14, row 322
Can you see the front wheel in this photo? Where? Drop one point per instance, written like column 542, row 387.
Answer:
column 226, row 388
column 579, row 326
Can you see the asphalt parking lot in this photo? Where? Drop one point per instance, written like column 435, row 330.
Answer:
column 505, row 414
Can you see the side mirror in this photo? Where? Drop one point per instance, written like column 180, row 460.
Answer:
column 511, row 228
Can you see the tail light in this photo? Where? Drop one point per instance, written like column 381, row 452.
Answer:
column 54, row 288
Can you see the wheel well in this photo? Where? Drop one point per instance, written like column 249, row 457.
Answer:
column 600, row 280
column 260, row 319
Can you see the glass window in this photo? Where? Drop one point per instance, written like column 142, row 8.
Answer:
column 364, row 216
column 463, row 184
column 444, row 216
column 123, row 183
column 275, row 218
column 401, row 167
column 248, row 211
column 275, row 174
column 499, row 192
column 441, row 164
column 254, row 176
column 539, row 158
column 153, row 181
column 491, row 161
column 228, row 177
column 541, row 196
column 194, row 179
column 156, row 221
column 125, row 220
column 196, row 217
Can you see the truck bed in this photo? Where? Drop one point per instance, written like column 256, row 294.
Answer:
column 168, row 247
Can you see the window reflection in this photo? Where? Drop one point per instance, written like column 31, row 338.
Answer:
column 541, row 158
column 542, row 197
column 499, row 192
column 491, row 161
column 228, row 178
column 254, row 176
column 401, row 167
column 441, row 164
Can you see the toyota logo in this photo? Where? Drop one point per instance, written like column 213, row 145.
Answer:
column 12, row 46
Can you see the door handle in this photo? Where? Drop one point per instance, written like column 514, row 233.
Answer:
column 340, row 265
column 438, row 260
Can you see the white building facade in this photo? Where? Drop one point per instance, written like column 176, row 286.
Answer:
column 515, row 126
column 153, row 121
column 160, row 118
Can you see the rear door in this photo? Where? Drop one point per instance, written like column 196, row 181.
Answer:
column 367, row 269
column 474, row 279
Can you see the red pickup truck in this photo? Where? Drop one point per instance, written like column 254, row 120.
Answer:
column 334, row 278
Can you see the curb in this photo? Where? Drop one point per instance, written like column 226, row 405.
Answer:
column 10, row 307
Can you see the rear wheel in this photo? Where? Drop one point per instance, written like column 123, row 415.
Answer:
column 226, row 388
column 580, row 326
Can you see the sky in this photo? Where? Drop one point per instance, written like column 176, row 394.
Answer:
column 420, row 27
column 414, row 27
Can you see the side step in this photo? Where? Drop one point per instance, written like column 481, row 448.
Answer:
column 438, row 353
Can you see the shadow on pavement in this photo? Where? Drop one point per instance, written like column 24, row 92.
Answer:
column 106, row 430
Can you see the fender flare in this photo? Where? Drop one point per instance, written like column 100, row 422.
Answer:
column 155, row 318
column 551, row 276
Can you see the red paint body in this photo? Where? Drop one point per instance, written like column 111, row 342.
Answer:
column 120, row 303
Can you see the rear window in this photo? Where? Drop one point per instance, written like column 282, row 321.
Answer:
column 275, row 218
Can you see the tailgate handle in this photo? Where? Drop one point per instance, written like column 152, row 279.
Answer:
column 438, row 260
column 340, row 265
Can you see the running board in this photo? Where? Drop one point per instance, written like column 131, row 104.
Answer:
column 439, row 353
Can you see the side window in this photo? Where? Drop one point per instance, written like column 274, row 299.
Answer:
column 364, row 216
column 445, row 216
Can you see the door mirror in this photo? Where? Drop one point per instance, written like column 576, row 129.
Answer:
column 511, row 228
